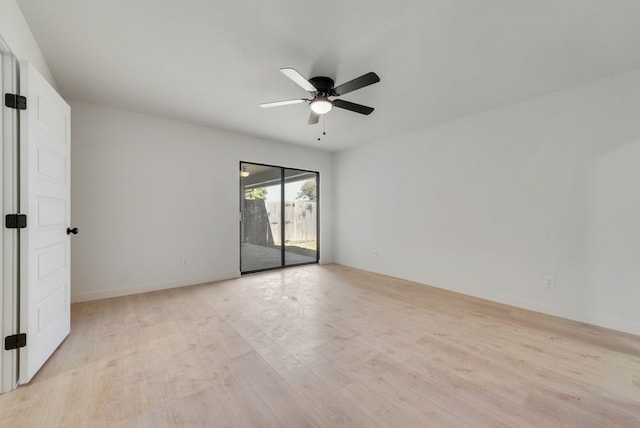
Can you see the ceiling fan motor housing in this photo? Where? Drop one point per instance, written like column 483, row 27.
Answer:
column 324, row 85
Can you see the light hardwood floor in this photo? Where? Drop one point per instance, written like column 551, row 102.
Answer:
column 327, row 346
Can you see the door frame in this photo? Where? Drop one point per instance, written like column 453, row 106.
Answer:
column 9, row 202
column 282, row 213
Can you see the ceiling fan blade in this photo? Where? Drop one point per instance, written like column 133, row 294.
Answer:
column 297, row 77
column 313, row 118
column 357, row 83
column 358, row 108
column 282, row 103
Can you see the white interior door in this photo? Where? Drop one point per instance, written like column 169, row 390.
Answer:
column 45, row 249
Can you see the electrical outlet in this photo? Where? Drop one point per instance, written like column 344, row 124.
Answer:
column 374, row 253
column 184, row 262
column 549, row 282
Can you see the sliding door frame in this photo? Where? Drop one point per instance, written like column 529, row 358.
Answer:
column 282, row 217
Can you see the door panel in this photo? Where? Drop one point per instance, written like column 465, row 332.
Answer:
column 45, row 192
column 260, row 228
column 300, row 217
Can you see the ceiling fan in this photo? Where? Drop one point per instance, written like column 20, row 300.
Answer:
column 321, row 88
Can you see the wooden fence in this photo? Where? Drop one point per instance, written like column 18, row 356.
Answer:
column 262, row 222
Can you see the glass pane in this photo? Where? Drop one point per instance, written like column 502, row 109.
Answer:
column 300, row 216
column 260, row 231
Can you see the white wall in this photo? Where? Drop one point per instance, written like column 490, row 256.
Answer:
column 16, row 33
column 148, row 192
column 487, row 205
column 491, row 204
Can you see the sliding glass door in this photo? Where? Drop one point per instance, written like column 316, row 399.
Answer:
column 279, row 217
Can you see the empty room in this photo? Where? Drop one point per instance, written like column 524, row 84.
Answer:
column 320, row 214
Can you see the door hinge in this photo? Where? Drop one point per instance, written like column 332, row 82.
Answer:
column 15, row 221
column 15, row 101
column 15, row 341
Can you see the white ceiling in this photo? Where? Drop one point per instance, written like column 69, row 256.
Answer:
column 212, row 62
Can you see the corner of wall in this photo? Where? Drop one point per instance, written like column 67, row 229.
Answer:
column 15, row 31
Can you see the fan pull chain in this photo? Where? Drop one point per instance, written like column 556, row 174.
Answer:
column 324, row 126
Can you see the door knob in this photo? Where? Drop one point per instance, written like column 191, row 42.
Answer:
column 70, row 231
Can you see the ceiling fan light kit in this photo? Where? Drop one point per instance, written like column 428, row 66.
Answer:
column 321, row 105
column 321, row 88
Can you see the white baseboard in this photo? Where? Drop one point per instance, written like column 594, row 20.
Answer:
column 536, row 306
column 587, row 318
column 138, row 289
